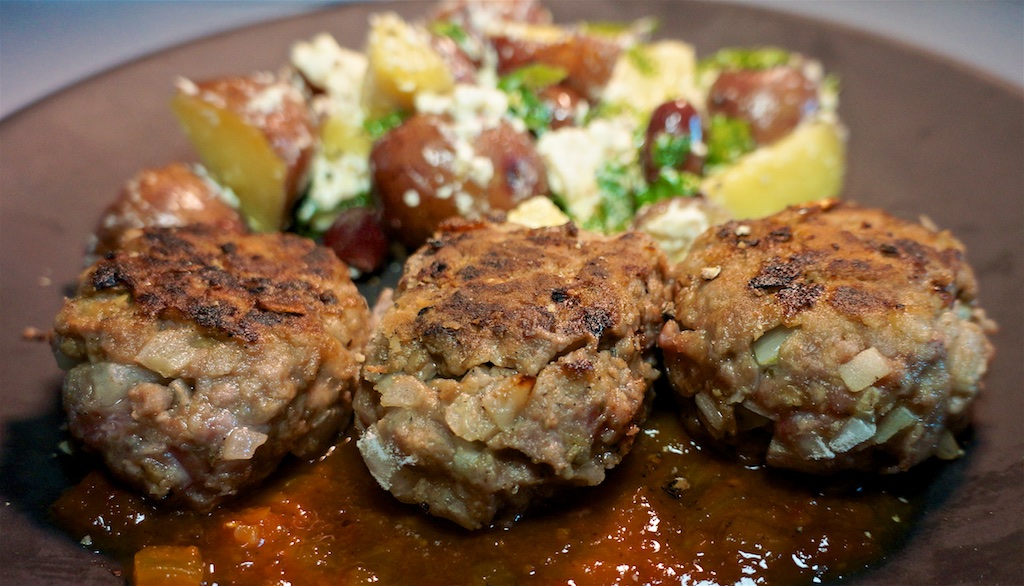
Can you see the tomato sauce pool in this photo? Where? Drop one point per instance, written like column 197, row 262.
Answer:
column 672, row 513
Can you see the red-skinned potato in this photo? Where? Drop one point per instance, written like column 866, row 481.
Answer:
column 358, row 239
column 772, row 101
column 174, row 195
column 469, row 13
column 588, row 60
column 256, row 135
column 563, row 103
column 677, row 118
column 519, row 172
column 421, row 176
column 463, row 69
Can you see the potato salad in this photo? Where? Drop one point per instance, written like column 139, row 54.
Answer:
column 482, row 108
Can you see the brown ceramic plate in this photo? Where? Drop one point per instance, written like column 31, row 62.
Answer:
column 927, row 137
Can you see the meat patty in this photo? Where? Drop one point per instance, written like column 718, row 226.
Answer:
column 828, row 337
column 511, row 363
column 197, row 360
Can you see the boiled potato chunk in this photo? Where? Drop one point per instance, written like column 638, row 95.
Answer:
column 646, row 76
column 340, row 136
column 401, row 64
column 255, row 135
column 808, row 164
column 587, row 59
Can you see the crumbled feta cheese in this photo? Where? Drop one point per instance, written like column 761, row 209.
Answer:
column 573, row 155
column 472, row 108
column 411, row 198
column 537, row 212
column 333, row 181
column 464, row 203
column 340, row 72
column 269, row 100
column 676, row 226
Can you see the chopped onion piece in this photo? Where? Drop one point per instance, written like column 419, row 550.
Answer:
column 754, row 407
column 948, row 448
column 167, row 352
column 854, row 432
column 766, row 348
column 894, row 422
column 711, row 413
column 864, row 369
column 813, row 447
column 241, row 443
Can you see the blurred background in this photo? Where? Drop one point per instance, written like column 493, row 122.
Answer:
column 47, row 45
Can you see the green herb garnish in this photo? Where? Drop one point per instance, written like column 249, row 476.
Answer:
column 727, row 140
column 378, row 127
column 740, row 58
column 522, row 85
column 670, row 150
column 452, row 30
column 641, row 58
column 670, row 183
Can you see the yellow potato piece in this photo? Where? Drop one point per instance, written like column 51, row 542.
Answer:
column 340, row 136
column 239, row 156
column 400, row 64
column 807, row 165
column 647, row 76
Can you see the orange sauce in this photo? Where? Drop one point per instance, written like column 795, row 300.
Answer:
column 672, row 513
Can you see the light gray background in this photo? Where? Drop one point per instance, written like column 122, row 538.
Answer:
column 47, row 45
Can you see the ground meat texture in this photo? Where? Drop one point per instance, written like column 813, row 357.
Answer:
column 828, row 337
column 512, row 363
column 197, row 360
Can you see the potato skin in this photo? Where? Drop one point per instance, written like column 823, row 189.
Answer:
column 256, row 134
column 519, row 172
column 419, row 180
column 173, row 195
column 587, row 59
column 773, row 100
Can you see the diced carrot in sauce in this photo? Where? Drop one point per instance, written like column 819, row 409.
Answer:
column 168, row 565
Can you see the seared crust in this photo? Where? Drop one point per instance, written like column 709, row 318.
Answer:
column 237, row 286
column 197, row 360
column 832, row 280
column 512, row 363
column 501, row 295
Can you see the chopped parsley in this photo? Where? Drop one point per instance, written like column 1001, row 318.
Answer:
column 728, row 139
column 522, row 85
column 378, row 127
column 312, row 222
column 616, row 183
column 670, row 183
column 642, row 60
column 623, row 192
column 452, row 30
column 670, row 150
column 757, row 58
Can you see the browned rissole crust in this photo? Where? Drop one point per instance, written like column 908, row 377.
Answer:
column 834, row 280
column 235, row 286
column 511, row 363
column 196, row 360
